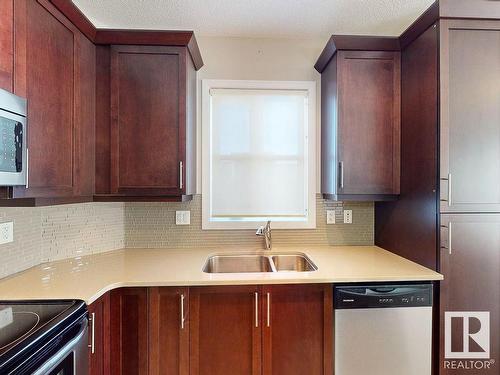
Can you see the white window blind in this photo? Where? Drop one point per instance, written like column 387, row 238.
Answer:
column 259, row 154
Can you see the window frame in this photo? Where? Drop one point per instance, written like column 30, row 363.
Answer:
column 310, row 88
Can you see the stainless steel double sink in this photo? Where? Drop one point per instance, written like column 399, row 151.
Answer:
column 255, row 262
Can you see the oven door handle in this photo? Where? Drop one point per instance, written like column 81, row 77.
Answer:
column 56, row 359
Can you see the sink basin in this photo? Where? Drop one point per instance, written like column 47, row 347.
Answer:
column 293, row 262
column 242, row 263
column 237, row 263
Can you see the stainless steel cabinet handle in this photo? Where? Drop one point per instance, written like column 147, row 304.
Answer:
column 341, row 174
column 92, row 333
column 27, row 168
column 268, row 309
column 181, row 172
column 256, row 310
column 448, row 199
column 183, row 318
column 449, row 237
column 449, row 190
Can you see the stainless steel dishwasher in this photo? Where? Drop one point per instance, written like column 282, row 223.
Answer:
column 383, row 329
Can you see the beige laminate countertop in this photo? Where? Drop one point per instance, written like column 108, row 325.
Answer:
column 89, row 277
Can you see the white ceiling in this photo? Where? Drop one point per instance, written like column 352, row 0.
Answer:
column 258, row 18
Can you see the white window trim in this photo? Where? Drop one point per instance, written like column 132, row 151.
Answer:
column 310, row 87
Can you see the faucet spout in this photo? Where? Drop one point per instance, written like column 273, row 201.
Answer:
column 265, row 232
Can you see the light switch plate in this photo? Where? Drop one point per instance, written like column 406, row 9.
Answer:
column 347, row 216
column 6, row 232
column 182, row 217
column 330, row 216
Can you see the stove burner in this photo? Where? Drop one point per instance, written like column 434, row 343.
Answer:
column 25, row 323
column 20, row 320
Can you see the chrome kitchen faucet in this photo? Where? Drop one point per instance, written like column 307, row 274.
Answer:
column 265, row 232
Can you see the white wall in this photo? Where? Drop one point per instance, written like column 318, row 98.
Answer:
column 259, row 59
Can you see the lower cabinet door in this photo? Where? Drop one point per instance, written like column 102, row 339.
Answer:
column 169, row 331
column 470, row 263
column 98, row 315
column 129, row 331
column 225, row 330
column 297, row 329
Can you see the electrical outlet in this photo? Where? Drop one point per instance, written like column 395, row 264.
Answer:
column 6, row 232
column 182, row 217
column 330, row 216
column 347, row 216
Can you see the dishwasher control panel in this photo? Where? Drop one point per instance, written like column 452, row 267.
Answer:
column 380, row 296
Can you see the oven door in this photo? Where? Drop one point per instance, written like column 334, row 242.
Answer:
column 71, row 359
column 13, row 149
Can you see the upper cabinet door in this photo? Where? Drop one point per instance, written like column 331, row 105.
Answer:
column 297, row 329
column 45, row 64
column 470, row 116
column 369, row 102
column 148, row 91
column 6, row 44
column 54, row 68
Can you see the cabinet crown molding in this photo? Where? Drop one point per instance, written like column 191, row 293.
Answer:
column 355, row 43
column 123, row 36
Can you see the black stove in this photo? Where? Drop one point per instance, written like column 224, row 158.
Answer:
column 33, row 333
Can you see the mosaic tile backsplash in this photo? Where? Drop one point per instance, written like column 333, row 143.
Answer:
column 50, row 233
column 153, row 225
column 44, row 234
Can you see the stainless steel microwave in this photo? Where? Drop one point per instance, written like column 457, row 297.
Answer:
column 13, row 140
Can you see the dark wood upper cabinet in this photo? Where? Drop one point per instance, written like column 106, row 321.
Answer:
column 225, row 330
column 54, row 68
column 6, row 44
column 470, row 260
column 146, row 101
column 168, row 331
column 151, row 147
column 140, row 101
column 297, row 329
column 470, row 119
column 360, row 111
column 488, row 9
column 129, row 331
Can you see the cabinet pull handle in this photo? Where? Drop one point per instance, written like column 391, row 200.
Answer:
column 341, row 174
column 449, row 190
column 27, row 168
column 92, row 332
column 256, row 310
column 183, row 319
column 449, row 237
column 268, row 309
column 181, row 167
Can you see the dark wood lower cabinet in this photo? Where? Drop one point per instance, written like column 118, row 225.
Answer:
column 297, row 329
column 219, row 330
column 129, row 331
column 99, row 336
column 470, row 260
column 225, row 330
column 169, row 331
